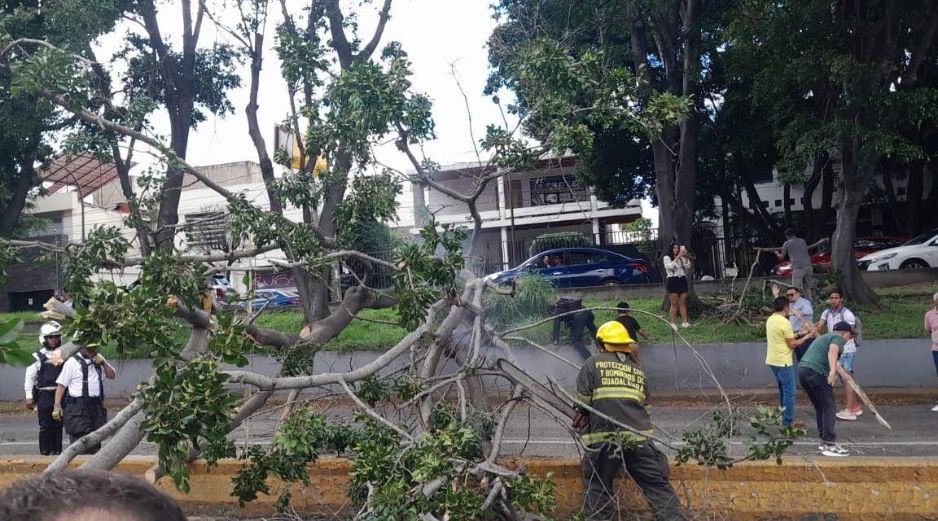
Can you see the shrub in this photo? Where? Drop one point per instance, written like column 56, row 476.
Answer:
column 533, row 294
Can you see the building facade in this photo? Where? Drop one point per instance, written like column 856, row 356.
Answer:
column 518, row 207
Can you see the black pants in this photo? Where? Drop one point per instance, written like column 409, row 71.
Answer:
column 647, row 466
column 821, row 395
column 50, row 431
column 580, row 322
column 82, row 417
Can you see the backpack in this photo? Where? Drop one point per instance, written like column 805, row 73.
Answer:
column 857, row 327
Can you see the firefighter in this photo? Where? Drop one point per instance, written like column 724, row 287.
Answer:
column 613, row 383
column 40, row 388
column 82, row 381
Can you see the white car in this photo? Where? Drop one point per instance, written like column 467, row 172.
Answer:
column 920, row 252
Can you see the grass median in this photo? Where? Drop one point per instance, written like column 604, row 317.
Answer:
column 899, row 316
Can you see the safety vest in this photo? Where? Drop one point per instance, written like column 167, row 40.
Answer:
column 48, row 373
column 84, row 377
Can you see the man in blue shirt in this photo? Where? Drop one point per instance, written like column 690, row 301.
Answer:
column 801, row 315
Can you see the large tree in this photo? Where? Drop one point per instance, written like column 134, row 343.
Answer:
column 666, row 45
column 841, row 78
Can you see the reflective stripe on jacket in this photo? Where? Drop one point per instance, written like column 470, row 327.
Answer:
column 614, row 385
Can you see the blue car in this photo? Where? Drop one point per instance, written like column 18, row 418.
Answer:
column 272, row 298
column 579, row 267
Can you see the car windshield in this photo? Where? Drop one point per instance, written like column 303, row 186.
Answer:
column 921, row 239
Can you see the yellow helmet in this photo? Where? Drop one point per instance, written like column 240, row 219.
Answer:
column 615, row 337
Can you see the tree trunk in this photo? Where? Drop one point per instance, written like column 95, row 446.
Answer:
column 932, row 201
column 888, row 170
column 915, row 189
column 807, row 200
column 24, row 183
column 818, row 219
column 858, row 170
column 786, row 204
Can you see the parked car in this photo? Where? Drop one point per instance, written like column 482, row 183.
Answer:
column 862, row 246
column 920, row 252
column 221, row 288
column 272, row 298
column 579, row 267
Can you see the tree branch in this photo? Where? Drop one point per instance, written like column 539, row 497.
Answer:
column 370, row 47
column 337, row 28
column 95, row 437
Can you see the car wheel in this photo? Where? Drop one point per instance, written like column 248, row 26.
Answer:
column 913, row 264
column 612, row 282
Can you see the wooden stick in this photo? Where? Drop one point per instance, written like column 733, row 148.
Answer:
column 848, row 380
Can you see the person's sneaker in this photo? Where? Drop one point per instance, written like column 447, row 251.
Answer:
column 833, row 450
column 934, row 409
column 858, row 411
column 685, row 324
column 673, row 326
column 846, row 415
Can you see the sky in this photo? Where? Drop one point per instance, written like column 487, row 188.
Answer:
column 445, row 40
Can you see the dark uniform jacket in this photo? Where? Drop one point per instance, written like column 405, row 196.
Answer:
column 615, row 386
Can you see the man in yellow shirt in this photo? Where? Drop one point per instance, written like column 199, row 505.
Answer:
column 780, row 342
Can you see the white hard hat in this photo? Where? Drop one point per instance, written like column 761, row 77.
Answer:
column 50, row 328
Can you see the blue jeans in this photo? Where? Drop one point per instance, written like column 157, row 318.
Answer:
column 785, row 376
column 846, row 361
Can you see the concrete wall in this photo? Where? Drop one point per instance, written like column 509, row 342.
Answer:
column 669, row 367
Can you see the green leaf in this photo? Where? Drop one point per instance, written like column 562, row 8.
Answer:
column 10, row 330
column 15, row 356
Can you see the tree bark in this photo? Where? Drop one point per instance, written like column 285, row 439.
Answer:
column 809, row 213
column 893, row 207
column 915, row 189
column 178, row 81
column 24, row 183
column 786, row 197
column 858, row 168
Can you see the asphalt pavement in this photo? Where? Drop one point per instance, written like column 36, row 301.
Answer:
column 532, row 433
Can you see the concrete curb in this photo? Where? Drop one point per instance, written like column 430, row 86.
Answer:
column 862, row 488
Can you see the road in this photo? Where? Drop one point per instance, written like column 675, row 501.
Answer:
column 531, row 433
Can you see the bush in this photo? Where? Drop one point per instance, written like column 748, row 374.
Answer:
column 533, row 294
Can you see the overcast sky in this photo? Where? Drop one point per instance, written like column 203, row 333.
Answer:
column 435, row 33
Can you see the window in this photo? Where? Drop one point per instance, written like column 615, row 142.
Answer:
column 578, row 258
column 556, row 189
column 778, row 202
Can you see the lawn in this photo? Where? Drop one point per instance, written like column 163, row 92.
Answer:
column 900, row 316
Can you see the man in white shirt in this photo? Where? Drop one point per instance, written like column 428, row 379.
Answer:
column 81, row 379
column 837, row 312
column 39, row 386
